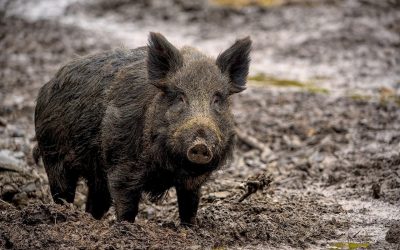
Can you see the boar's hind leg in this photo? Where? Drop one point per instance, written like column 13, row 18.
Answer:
column 188, row 202
column 62, row 182
column 98, row 200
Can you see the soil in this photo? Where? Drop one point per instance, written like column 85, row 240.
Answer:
column 328, row 155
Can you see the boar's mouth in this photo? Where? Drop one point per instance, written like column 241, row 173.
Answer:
column 193, row 169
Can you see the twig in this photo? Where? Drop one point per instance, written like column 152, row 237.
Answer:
column 254, row 143
column 256, row 183
column 251, row 141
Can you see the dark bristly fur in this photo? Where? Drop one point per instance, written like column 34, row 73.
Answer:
column 124, row 120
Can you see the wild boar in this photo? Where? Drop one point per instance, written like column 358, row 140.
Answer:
column 139, row 121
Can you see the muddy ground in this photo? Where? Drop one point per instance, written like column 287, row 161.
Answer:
column 320, row 118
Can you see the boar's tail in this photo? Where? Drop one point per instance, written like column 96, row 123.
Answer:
column 36, row 154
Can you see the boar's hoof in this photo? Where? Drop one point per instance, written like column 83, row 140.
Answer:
column 199, row 153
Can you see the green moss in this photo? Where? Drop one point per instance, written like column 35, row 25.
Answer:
column 397, row 100
column 262, row 79
column 219, row 248
column 243, row 3
column 349, row 245
column 359, row 97
column 315, row 89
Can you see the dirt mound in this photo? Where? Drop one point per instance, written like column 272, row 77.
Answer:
column 54, row 226
column 290, row 219
column 286, row 220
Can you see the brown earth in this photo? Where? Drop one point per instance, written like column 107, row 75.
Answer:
column 334, row 159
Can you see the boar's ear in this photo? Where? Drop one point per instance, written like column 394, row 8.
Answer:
column 163, row 58
column 235, row 62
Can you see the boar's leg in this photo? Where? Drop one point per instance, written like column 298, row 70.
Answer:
column 62, row 182
column 127, row 207
column 126, row 204
column 99, row 200
column 126, row 192
column 188, row 202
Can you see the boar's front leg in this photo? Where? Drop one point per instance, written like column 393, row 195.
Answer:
column 127, row 206
column 126, row 192
column 188, row 202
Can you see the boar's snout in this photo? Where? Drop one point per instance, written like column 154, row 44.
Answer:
column 199, row 139
column 199, row 153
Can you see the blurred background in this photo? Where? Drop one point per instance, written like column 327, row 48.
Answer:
column 321, row 114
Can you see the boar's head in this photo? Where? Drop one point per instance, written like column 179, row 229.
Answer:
column 194, row 121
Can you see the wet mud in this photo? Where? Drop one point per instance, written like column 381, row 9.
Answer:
column 328, row 142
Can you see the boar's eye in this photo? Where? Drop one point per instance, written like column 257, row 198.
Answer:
column 217, row 101
column 177, row 103
column 181, row 99
column 175, row 96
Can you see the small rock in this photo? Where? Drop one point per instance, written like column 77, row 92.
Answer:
column 219, row 195
column 292, row 141
column 19, row 155
column 150, row 211
column 195, row 247
column 295, row 141
column 29, row 187
column 15, row 131
column 251, row 162
column 3, row 122
column 328, row 161
column 266, row 154
column 9, row 162
column 316, row 157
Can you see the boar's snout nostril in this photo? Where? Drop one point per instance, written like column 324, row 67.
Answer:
column 199, row 154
